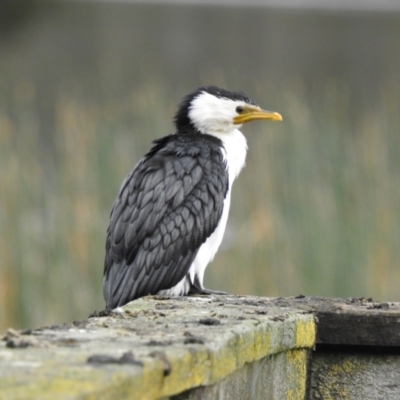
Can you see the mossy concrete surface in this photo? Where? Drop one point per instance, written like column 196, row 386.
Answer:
column 351, row 374
column 161, row 347
column 276, row 377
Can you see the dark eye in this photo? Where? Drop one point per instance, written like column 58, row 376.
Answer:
column 239, row 109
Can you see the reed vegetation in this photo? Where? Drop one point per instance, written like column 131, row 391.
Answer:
column 316, row 211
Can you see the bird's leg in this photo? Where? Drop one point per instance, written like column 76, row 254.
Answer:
column 205, row 291
column 197, row 288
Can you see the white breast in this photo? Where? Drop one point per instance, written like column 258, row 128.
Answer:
column 235, row 146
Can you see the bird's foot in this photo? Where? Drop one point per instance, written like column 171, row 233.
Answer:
column 200, row 290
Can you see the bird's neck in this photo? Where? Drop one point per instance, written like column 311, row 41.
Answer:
column 235, row 150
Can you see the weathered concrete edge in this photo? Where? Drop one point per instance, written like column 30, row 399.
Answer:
column 242, row 338
column 207, row 364
column 245, row 344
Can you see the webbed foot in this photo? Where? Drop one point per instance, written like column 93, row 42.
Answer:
column 194, row 289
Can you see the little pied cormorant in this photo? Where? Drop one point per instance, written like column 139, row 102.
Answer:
column 169, row 217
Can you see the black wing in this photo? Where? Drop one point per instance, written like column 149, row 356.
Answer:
column 167, row 207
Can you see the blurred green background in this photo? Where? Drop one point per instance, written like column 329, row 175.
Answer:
column 86, row 86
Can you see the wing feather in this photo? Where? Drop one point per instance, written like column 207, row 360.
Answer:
column 166, row 208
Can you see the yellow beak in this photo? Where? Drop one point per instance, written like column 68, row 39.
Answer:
column 254, row 114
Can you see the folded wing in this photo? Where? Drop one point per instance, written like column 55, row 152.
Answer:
column 167, row 207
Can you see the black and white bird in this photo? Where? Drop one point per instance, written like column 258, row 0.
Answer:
column 169, row 217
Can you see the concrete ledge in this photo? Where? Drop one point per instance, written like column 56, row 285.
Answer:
column 161, row 347
column 355, row 373
column 350, row 322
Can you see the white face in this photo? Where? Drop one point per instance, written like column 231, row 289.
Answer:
column 213, row 114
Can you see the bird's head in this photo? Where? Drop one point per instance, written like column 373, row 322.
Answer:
column 212, row 110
